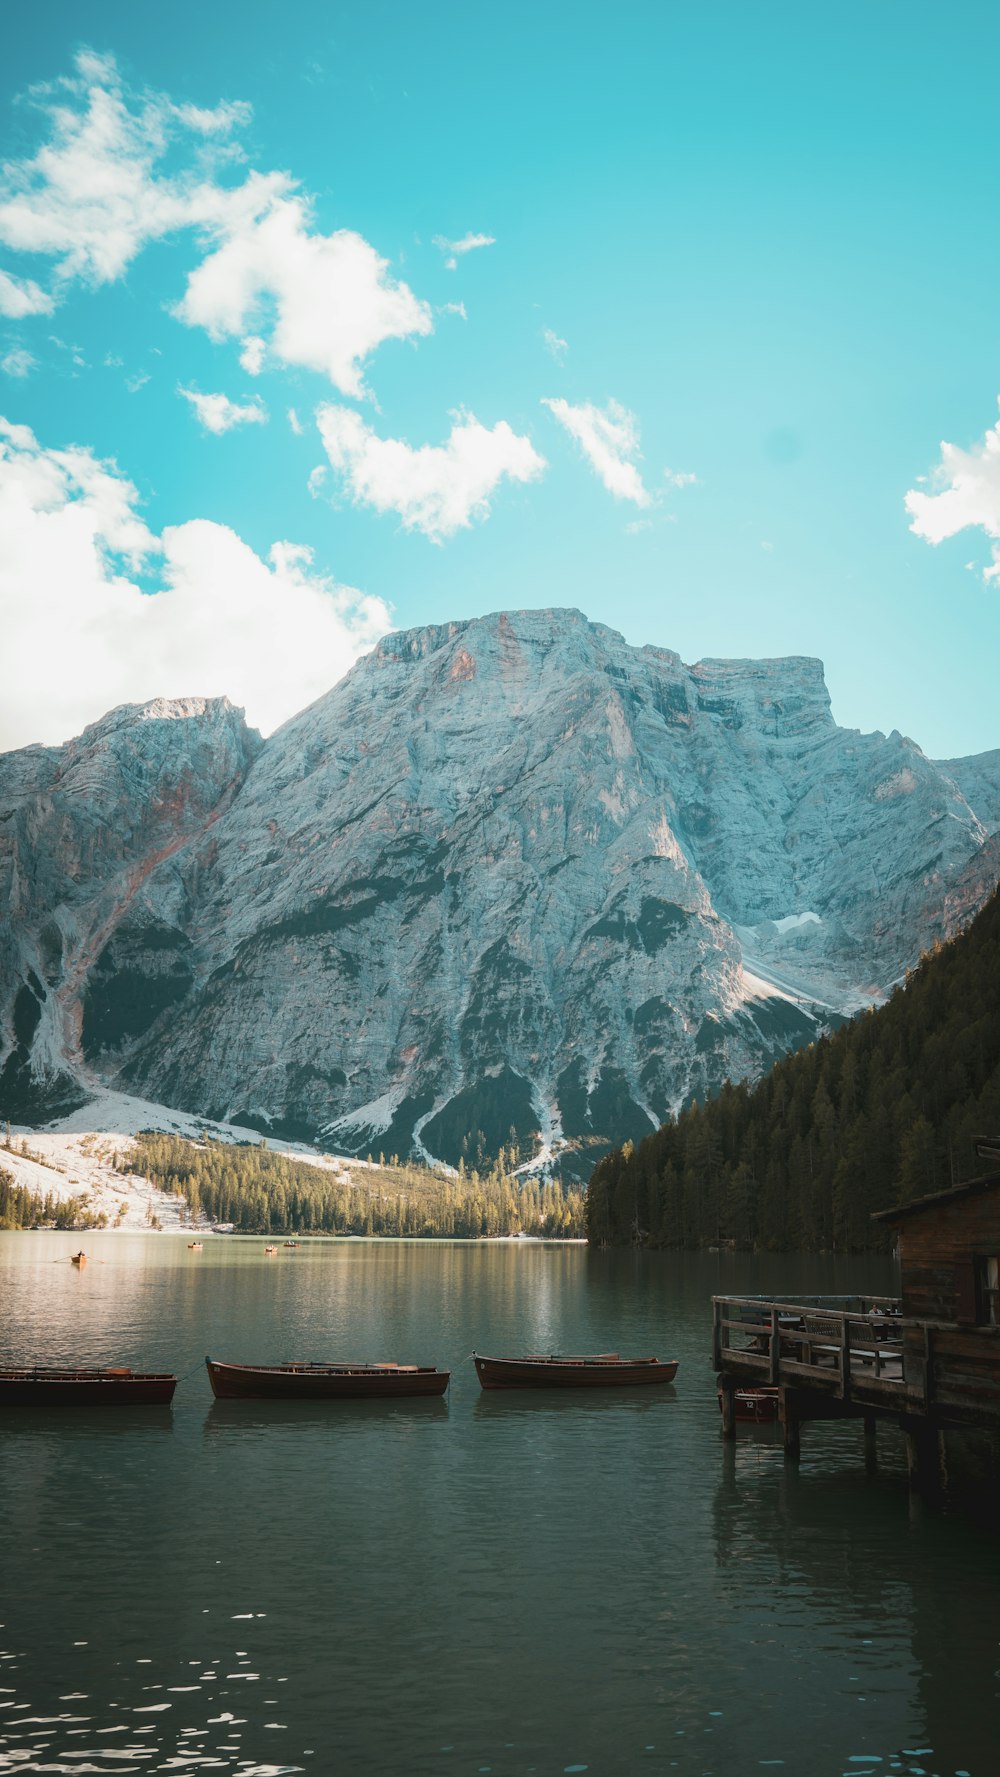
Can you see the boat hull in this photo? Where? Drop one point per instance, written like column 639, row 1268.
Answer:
column 603, row 1372
column 85, row 1388
column 324, row 1382
column 754, row 1406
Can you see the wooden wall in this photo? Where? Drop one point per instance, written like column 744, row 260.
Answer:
column 936, row 1254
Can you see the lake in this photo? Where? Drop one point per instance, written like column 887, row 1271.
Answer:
column 488, row 1584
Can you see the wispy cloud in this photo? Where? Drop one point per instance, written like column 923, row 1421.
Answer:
column 97, row 193
column 557, row 348
column 609, row 439
column 967, row 484
column 679, row 478
column 436, row 489
column 216, row 413
column 271, row 632
column 295, row 422
column 18, row 362
column 22, row 296
column 253, row 354
column 454, row 250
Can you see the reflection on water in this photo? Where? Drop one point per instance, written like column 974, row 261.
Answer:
column 502, row 1403
column 337, row 1418
column 512, row 1583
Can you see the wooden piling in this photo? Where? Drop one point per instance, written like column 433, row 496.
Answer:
column 789, row 1415
column 871, row 1444
column 728, row 1407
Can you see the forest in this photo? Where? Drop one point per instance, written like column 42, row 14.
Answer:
column 881, row 1112
column 260, row 1191
column 21, row 1208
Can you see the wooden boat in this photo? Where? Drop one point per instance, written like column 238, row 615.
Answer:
column 40, row 1386
column 603, row 1370
column 79, row 1258
column 291, row 1243
column 323, row 1381
column 754, row 1406
column 269, row 1252
column 196, row 1246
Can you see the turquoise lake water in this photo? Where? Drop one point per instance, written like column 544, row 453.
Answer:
column 488, row 1584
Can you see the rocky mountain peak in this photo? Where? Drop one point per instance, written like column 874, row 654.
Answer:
column 513, row 880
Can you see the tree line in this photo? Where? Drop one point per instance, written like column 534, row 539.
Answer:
column 260, row 1191
column 881, row 1112
column 21, row 1208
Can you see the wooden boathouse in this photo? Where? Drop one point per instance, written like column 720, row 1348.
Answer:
column 927, row 1361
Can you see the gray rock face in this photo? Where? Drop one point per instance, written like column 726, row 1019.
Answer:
column 510, row 881
column 83, row 828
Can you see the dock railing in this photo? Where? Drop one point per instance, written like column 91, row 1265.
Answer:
column 841, row 1344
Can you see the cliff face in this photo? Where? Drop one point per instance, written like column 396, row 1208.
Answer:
column 510, row 879
column 83, row 829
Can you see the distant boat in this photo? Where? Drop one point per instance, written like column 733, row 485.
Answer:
column 269, row 1251
column 79, row 1258
column 196, row 1246
column 291, row 1243
column 604, row 1370
column 45, row 1386
column 323, row 1381
column 755, row 1406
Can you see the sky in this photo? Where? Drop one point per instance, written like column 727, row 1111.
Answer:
column 341, row 316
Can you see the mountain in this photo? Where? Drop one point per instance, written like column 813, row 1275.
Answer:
column 510, row 881
column 883, row 1111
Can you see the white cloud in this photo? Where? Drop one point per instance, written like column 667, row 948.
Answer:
column 317, row 477
column 18, row 362
column 332, row 298
column 22, row 296
column 219, row 121
column 557, row 348
column 91, row 198
column 454, row 308
column 679, row 478
column 295, row 422
column 253, row 354
column 96, row 194
column 609, row 440
column 968, row 494
column 136, row 381
column 81, row 635
column 453, row 250
column 216, row 413
column 437, row 489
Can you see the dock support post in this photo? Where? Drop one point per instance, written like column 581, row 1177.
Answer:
column 728, row 1407
column 942, row 1461
column 789, row 1414
column 923, row 1459
column 871, row 1446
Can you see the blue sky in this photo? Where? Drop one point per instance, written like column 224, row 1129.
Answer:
column 766, row 238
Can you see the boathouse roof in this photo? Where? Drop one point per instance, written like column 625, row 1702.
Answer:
column 939, row 1199
column 986, row 1148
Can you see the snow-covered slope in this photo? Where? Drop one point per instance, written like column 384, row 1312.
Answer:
column 510, row 879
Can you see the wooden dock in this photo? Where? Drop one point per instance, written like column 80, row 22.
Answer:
column 929, row 1360
column 860, row 1358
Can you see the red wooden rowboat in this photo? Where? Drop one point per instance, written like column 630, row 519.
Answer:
column 321, row 1382
column 604, row 1370
column 50, row 1387
column 754, row 1406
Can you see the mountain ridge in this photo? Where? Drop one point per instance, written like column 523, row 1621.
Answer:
column 509, row 876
